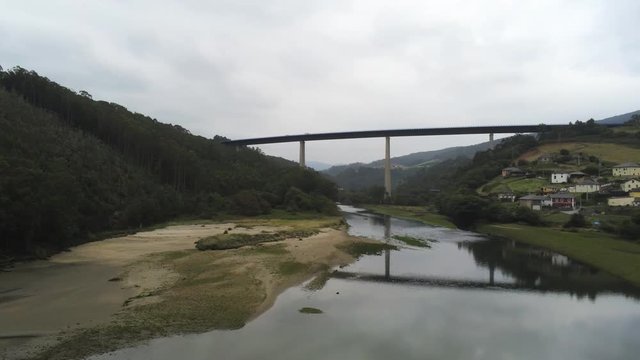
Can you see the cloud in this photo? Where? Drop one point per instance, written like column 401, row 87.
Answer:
column 258, row 68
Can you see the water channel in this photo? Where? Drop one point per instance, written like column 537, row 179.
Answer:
column 464, row 297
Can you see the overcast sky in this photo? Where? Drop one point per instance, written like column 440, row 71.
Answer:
column 259, row 68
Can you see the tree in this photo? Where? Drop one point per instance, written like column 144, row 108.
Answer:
column 577, row 220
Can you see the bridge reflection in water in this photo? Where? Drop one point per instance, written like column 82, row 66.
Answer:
column 526, row 268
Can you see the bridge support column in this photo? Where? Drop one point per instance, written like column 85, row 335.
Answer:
column 302, row 155
column 491, row 144
column 387, row 169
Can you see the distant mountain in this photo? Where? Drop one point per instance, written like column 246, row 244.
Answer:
column 359, row 176
column 318, row 166
column 619, row 119
column 427, row 158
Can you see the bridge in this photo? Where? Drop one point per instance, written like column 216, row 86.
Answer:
column 388, row 134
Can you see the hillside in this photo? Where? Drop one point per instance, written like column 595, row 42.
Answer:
column 359, row 176
column 618, row 119
column 609, row 152
column 73, row 167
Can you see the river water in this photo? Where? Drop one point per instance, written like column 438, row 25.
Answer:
column 464, row 297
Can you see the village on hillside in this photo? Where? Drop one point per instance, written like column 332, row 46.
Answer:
column 568, row 182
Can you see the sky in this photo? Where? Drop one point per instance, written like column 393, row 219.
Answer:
column 245, row 69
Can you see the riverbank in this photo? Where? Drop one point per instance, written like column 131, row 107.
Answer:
column 109, row 294
column 601, row 250
column 417, row 213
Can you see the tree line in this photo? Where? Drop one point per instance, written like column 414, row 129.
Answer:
column 72, row 167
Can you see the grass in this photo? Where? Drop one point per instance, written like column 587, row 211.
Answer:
column 359, row 249
column 616, row 153
column 234, row 241
column 416, row 213
column 292, row 267
column 603, row 251
column 310, row 310
column 409, row 240
column 319, row 281
column 517, row 185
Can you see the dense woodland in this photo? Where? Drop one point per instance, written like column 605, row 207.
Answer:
column 72, row 167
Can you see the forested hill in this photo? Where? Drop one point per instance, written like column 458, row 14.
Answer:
column 71, row 167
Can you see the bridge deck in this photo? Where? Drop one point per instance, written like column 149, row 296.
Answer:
column 466, row 130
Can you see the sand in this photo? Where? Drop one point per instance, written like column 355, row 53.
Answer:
column 41, row 301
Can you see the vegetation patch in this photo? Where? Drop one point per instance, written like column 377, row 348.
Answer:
column 287, row 268
column 233, row 241
column 410, row 240
column 319, row 281
column 359, row 249
column 310, row 310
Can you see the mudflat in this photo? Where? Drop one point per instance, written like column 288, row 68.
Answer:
column 108, row 294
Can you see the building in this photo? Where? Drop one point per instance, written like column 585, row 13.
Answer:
column 545, row 190
column 635, row 193
column 563, row 201
column 533, row 202
column 576, row 176
column 512, row 171
column 586, row 186
column 559, row 178
column 546, row 158
column 626, row 169
column 630, row 185
column 506, row 196
column 621, row 201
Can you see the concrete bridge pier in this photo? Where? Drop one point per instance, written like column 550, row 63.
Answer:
column 387, row 169
column 302, row 155
column 491, row 144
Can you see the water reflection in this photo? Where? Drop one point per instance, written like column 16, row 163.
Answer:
column 467, row 297
column 520, row 267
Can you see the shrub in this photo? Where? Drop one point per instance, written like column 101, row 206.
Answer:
column 576, row 221
column 527, row 216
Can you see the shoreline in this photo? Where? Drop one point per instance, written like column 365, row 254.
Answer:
column 618, row 257
column 154, row 284
column 605, row 252
column 416, row 213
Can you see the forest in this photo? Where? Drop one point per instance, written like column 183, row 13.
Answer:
column 72, row 167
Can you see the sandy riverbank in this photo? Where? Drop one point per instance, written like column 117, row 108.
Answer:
column 153, row 283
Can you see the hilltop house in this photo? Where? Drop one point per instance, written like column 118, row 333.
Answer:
column 559, row 178
column 563, row 201
column 630, row 185
column 626, row 169
column 512, row 171
column 585, row 186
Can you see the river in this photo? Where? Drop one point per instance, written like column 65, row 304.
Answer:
column 463, row 297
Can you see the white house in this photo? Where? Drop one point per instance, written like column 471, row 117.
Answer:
column 626, row 169
column 559, row 178
column 630, row 185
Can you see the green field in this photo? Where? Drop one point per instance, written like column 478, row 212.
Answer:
column 605, row 151
column 418, row 213
column 603, row 251
column 517, row 185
